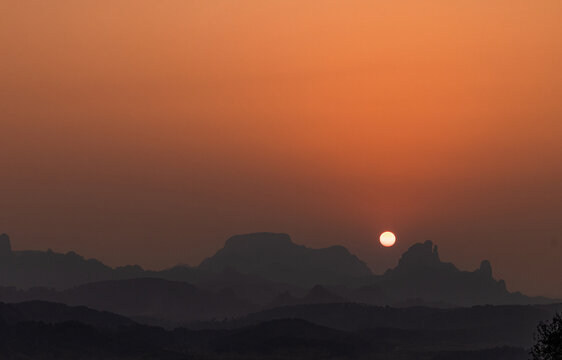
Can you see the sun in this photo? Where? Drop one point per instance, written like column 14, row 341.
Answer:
column 387, row 239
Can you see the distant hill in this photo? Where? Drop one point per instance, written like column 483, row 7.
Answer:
column 147, row 299
column 276, row 257
column 247, row 286
column 317, row 295
column 26, row 269
column 50, row 312
column 158, row 299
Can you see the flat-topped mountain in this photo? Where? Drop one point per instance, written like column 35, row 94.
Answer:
column 276, row 257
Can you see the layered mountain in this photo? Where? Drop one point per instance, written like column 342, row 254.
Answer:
column 263, row 269
column 276, row 257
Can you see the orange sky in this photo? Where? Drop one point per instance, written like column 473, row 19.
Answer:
column 149, row 131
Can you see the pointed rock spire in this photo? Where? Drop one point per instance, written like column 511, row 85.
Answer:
column 485, row 269
column 5, row 246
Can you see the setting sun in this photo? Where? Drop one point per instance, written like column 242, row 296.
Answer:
column 228, row 164
column 387, row 239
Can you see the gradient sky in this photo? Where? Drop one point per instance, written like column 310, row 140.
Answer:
column 150, row 131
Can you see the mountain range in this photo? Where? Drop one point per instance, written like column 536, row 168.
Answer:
column 250, row 273
column 261, row 297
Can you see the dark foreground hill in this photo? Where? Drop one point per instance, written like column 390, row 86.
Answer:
column 511, row 325
column 32, row 336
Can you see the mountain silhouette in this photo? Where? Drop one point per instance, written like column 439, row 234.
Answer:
column 254, row 270
column 276, row 257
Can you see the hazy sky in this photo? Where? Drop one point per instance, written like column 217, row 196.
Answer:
column 150, row 131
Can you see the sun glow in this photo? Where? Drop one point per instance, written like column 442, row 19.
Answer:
column 387, row 239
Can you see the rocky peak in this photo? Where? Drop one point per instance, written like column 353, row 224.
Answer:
column 420, row 254
column 485, row 269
